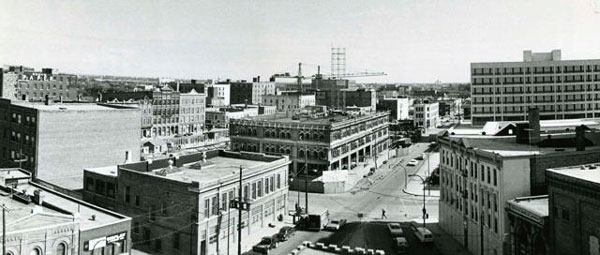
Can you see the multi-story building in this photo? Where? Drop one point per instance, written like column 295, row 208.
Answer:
column 289, row 102
column 479, row 175
column 219, row 94
column 339, row 99
column 562, row 89
column 185, row 201
column 192, row 109
column 323, row 143
column 251, row 92
column 37, row 85
column 40, row 220
column 398, row 107
column 426, row 114
column 56, row 141
column 219, row 117
column 574, row 209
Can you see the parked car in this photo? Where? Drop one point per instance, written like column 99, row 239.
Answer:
column 420, row 157
column 395, row 229
column 285, row 233
column 412, row 162
column 401, row 245
column 385, row 162
column 424, row 235
column 266, row 243
column 335, row 224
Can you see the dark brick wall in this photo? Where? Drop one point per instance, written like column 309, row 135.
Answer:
column 540, row 163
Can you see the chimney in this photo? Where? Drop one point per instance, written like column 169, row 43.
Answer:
column 254, row 79
column 258, row 78
column 580, row 138
column 177, row 86
column 38, row 198
column 534, row 125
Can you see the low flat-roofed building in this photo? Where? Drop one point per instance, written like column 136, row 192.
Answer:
column 528, row 219
column 48, row 222
column 574, row 208
column 186, row 200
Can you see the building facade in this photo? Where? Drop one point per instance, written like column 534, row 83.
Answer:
column 8, row 84
column 56, row 141
column 36, row 85
column 426, row 114
column 289, row 102
column 220, row 117
column 398, row 107
column 250, row 92
column 340, row 99
column 529, row 230
column 322, row 143
column 219, row 94
column 574, row 209
column 185, row 208
column 562, row 89
column 192, row 109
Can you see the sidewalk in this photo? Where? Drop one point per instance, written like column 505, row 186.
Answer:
column 415, row 184
column 444, row 243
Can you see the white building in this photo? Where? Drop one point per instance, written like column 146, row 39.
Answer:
column 219, row 94
column 426, row 114
column 562, row 89
column 289, row 102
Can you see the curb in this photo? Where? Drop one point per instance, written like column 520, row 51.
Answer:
column 336, row 249
column 418, row 195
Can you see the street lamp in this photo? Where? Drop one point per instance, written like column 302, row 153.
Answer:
column 424, row 210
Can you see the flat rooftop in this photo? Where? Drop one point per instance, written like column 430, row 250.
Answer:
column 19, row 210
column 216, row 168
column 68, row 106
column 72, row 205
column 507, row 146
column 326, row 120
column 537, row 205
column 588, row 173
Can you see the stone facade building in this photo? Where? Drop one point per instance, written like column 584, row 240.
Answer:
column 529, row 227
column 323, row 143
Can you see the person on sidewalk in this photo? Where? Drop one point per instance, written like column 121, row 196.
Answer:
column 383, row 214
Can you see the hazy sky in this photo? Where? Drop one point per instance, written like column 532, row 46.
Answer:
column 412, row 41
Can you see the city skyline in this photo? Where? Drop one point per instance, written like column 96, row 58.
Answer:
column 411, row 41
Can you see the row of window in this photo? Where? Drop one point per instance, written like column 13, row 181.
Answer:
column 536, row 70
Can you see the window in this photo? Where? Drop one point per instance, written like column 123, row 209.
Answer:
column 36, row 251
column 215, row 206
column 110, row 190
column 158, row 244
column 267, row 185
column 260, row 188
column 495, row 177
column 61, row 249
column 278, row 181
column 206, row 208
column 100, row 187
column 176, row 241
column 271, row 183
column 137, row 200
column 254, row 190
column 565, row 214
column 127, row 194
column 89, row 184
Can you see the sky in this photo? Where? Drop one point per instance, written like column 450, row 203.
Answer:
column 411, row 41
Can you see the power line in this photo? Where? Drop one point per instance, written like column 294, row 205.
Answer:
column 164, row 235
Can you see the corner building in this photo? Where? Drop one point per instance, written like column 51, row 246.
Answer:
column 324, row 143
column 561, row 89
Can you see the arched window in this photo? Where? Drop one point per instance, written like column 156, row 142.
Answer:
column 61, row 249
column 288, row 135
column 36, row 251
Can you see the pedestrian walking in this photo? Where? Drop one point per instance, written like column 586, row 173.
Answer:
column 383, row 214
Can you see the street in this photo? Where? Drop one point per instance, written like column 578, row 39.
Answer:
column 370, row 231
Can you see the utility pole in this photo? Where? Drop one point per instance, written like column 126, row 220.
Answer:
column 3, row 229
column 240, row 215
column 306, row 179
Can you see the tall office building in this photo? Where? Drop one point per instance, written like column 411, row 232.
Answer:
column 561, row 89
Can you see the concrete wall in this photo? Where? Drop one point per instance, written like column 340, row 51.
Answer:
column 69, row 141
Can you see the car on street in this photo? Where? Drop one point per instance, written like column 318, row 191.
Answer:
column 266, row 243
column 395, row 229
column 412, row 162
column 424, row 235
column 420, row 157
column 285, row 233
column 335, row 224
column 401, row 245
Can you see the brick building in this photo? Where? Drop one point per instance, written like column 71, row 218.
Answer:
column 182, row 204
column 289, row 102
column 219, row 94
column 43, row 221
column 56, row 141
column 36, row 85
column 340, row 99
column 479, row 175
column 574, row 209
column 562, row 89
column 398, row 107
column 250, row 92
column 529, row 226
column 8, row 84
column 219, row 117
column 426, row 114
column 324, row 143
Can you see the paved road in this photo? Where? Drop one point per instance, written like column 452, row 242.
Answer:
column 370, row 231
